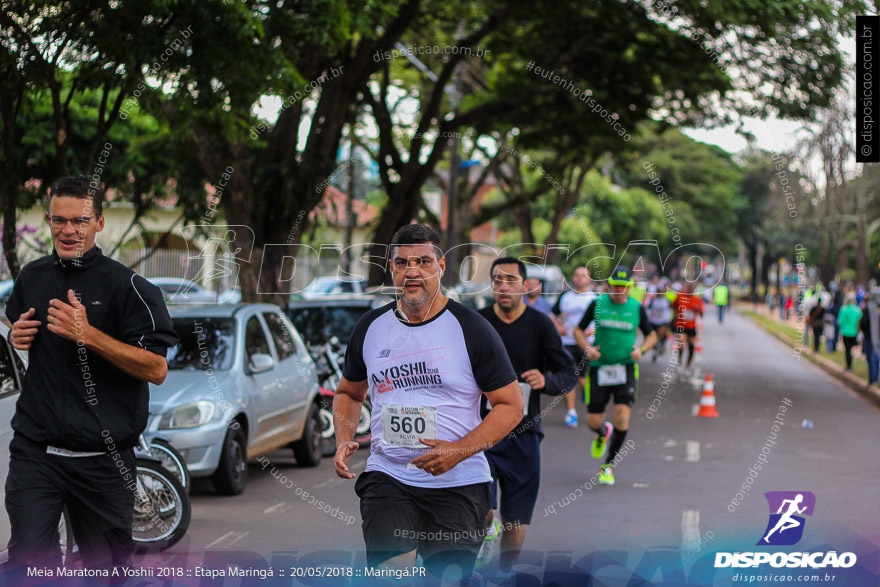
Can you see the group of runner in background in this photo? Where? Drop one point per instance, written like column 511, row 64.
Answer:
column 597, row 323
column 456, row 408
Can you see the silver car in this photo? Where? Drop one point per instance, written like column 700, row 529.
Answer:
column 240, row 384
column 182, row 291
column 331, row 284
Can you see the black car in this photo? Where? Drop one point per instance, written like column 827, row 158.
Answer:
column 320, row 319
column 326, row 324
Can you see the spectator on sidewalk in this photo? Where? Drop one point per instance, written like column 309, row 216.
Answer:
column 870, row 325
column 816, row 321
column 848, row 323
column 833, row 334
column 806, row 303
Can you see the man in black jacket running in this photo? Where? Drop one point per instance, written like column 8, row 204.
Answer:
column 96, row 334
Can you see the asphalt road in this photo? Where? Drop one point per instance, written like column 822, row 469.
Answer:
column 673, row 489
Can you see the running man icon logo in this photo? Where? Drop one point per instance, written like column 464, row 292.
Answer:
column 786, row 525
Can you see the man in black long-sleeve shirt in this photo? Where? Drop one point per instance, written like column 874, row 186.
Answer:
column 96, row 334
column 543, row 366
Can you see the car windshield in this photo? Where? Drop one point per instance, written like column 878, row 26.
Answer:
column 205, row 343
column 318, row 324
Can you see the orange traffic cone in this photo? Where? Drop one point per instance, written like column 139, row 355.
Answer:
column 707, row 402
column 698, row 346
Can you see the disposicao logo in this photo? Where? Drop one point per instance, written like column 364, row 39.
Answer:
column 785, row 528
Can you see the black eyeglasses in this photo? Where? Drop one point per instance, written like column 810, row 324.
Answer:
column 79, row 222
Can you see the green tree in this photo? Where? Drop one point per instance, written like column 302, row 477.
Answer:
column 66, row 68
column 628, row 58
column 699, row 182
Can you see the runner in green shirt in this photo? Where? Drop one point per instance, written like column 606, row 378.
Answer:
column 848, row 319
column 614, row 360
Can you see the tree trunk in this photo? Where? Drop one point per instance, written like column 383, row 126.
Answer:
column 390, row 221
column 9, row 236
column 862, row 271
column 826, row 271
column 753, row 264
column 842, row 261
column 778, row 276
column 523, row 216
column 9, row 187
column 766, row 260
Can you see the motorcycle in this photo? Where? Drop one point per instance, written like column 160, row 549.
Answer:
column 328, row 357
column 155, row 445
column 162, row 508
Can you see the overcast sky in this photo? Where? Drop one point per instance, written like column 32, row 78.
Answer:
column 778, row 135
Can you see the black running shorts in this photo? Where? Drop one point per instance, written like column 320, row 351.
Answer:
column 516, row 468
column 446, row 525
column 624, row 393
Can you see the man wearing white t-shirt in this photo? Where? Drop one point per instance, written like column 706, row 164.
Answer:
column 568, row 310
column 426, row 361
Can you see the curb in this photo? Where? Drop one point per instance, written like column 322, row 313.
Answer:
column 869, row 392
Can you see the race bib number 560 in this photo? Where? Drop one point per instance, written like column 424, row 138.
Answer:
column 404, row 425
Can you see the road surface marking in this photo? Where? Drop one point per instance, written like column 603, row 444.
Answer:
column 243, row 534
column 274, row 507
column 221, row 539
column 690, row 527
column 668, row 458
column 695, row 409
column 670, row 443
column 235, row 536
column 692, row 451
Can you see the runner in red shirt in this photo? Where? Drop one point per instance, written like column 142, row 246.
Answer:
column 686, row 308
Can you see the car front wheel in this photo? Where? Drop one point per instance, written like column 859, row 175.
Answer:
column 308, row 450
column 230, row 478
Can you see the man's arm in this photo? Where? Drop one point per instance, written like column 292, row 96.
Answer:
column 347, row 402
column 506, row 413
column 350, row 395
column 139, row 363
column 556, row 315
column 580, row 335
column 649, row 333
column 70, row 321
column 561, row 377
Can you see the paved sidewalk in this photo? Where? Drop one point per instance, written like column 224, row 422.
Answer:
column 851, row 380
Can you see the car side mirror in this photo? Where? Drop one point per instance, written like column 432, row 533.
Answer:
column 261, row 362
